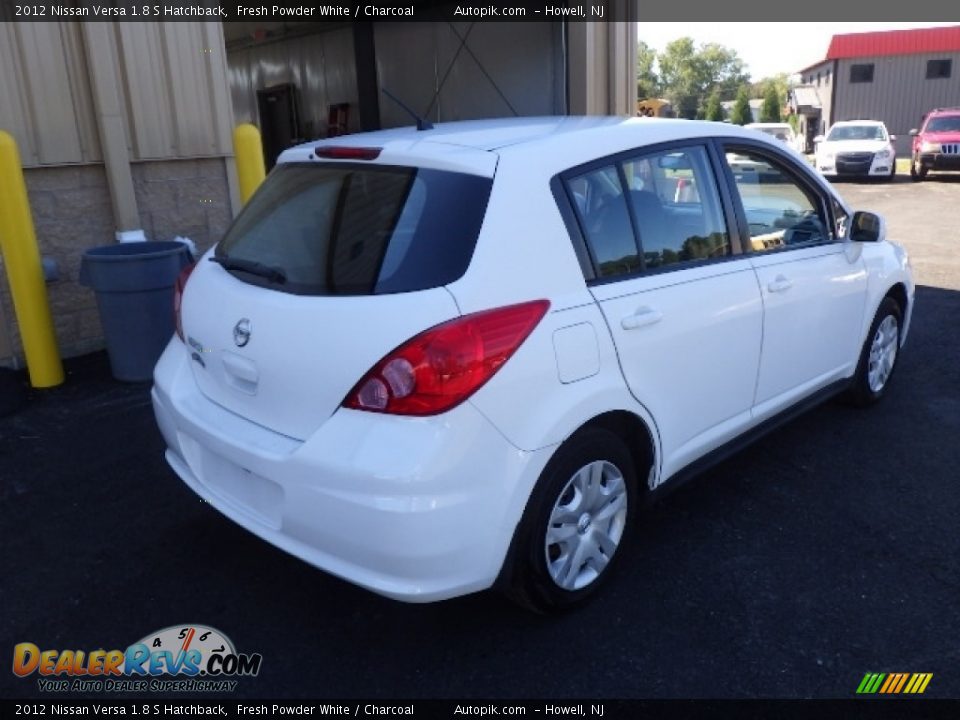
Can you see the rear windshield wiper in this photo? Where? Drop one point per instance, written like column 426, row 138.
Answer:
column 273, row 274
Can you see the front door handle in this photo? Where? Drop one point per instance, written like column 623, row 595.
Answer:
column 780, row 284
column 641, row 318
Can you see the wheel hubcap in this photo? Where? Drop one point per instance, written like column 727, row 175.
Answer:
column 883, row 353
column 586, row 525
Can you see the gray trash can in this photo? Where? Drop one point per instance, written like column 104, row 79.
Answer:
column 134, row 286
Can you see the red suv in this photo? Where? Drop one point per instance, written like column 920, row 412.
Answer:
column 936, row 146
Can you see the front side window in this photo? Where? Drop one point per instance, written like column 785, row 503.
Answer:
column 341, row 229
column 780, row 211
column 841, row 220
column 650, row 212
column 861, row 73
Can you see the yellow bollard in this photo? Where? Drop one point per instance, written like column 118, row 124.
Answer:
column 21, row 257
column 249, row 153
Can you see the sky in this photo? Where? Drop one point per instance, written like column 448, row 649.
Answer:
column 767, row 48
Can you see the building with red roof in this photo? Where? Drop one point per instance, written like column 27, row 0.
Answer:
column 895, row 76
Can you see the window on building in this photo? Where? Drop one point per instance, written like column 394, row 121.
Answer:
column 818, row 79
column 937, row 69
column 861, row 73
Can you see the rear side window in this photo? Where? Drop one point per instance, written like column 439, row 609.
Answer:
column 346, row 229
column 653, row 211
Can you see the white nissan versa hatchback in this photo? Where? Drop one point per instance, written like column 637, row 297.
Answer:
column 433, row 362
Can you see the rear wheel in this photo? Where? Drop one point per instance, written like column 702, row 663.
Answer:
column 575, row 525
column 878, row 358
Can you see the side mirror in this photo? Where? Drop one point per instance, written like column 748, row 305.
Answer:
column 914, row 132
column 867, row 227
column 892, row 138
column 818, row 138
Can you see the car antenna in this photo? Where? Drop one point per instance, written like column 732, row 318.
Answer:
column 422, row 124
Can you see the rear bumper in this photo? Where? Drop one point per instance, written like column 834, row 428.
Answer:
column 417, row 509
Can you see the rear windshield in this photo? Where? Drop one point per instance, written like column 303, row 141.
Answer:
column 347, row 229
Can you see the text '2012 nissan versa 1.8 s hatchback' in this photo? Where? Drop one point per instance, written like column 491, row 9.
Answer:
column 433, row 362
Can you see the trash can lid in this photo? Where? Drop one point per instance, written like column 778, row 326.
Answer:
column 122, row 251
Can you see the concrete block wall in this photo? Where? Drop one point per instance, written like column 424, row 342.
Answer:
column 72, row 212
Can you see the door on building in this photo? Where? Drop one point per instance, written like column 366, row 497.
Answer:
column 813, row 129
column 279, row 120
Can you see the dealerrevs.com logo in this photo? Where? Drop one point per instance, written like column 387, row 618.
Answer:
column 178, row 658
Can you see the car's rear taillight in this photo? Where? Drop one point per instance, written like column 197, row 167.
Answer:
column 178, row 287
column 443, row 366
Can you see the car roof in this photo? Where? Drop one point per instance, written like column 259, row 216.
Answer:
column 945, row 111
column 878, row 123
column 473, row 145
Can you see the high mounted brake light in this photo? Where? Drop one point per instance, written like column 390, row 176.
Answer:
column 339, row 152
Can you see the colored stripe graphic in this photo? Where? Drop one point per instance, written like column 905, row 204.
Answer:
column 870, row 683
column 894, row 683
column 903, row 679
column 892, row 678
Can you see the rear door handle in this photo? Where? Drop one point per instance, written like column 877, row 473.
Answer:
column 780, row 284
column 641, row 318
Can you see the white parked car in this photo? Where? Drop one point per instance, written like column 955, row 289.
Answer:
column 433, row 362
column 782, row 132
column 861, row 148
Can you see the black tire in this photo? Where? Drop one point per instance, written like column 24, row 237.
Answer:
column 917, row 170
column 864, row 389
column 527, row 577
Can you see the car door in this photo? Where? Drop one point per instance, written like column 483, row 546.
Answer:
column 681, row 303
column 813, row 284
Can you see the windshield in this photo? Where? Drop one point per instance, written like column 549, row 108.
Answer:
column 857, row 132
column 948, row 123
column 784, row 133
column 348, row 229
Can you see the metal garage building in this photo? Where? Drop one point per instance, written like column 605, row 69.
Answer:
column 126, row 127
column 894, row 76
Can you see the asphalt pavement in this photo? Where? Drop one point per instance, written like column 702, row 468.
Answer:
column 825, row 551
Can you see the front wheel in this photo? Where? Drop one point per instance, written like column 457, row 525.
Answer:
column 917, row 169
column 878, row 358
column 575, row 525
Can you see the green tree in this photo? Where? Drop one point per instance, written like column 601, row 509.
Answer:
column 741, row 115
column 781, row 82
column 714, row 109
column 770, row 112
column 648, row 84
column 689, row 74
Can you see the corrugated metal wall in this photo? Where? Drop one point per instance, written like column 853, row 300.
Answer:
column 47, row 104
column 899, row 94
column 176, row 104
column 321, row 66
column 503, row 65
